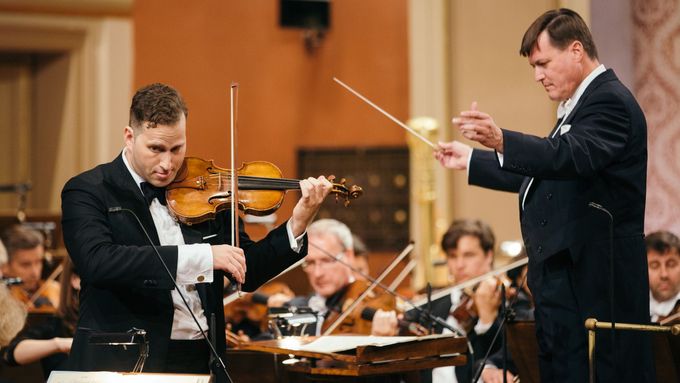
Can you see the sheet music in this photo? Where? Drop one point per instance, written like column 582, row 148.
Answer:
column 338, row 343
column 119, row 377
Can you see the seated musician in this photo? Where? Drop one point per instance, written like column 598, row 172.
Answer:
column 469, row 247
column 12, row 317
column 334, row 284
column 50, row 340
column 663, row 261
column 26, row 252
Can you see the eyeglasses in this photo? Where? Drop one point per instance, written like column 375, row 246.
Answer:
column 322, row 263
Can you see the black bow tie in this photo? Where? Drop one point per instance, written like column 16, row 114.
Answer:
column 151, row 192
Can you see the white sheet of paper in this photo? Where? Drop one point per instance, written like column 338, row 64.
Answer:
column 337, row 343
column 117, row 377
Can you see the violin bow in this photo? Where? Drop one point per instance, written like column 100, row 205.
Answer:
column 391, row 117
column 55, row 273
column 369, row 289
column 234, row 175
column 234, row 296
column 474, row 281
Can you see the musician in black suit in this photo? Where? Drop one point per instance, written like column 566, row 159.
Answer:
column 124, row 285
column 597, row 153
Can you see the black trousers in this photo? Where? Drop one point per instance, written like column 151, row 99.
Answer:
column 187, row 357
column 563, row 339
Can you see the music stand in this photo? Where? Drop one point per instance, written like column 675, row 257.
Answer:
column 134, row 337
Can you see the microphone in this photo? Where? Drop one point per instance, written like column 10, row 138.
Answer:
column 412, row 327
column 10, row 281
column 216, row 356
column 612, row 297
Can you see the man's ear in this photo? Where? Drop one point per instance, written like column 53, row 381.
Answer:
column 577, row 50
column 489, row 259
column 128, row 135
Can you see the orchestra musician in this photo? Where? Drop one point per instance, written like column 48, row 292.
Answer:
column 49, row 341
column 663, row 260
column 469, row 247
column 124, row 285
column 26, row 253
column 334, row 284
column 581, row 195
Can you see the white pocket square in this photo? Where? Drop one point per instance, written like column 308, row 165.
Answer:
column 564, row 129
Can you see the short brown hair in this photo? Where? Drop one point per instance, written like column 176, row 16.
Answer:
column 662, row 242
column 156, row 104
column 475, row 228
column 21, row 237
column 563, row 26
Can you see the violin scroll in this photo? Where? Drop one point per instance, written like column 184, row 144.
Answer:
column 341, row 190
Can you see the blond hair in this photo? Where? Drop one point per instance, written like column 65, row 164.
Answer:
column 13, row 316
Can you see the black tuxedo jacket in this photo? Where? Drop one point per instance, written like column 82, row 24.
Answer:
column 600, row 157
column 124, row 284
column 480, row 342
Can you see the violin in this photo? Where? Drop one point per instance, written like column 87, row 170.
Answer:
column 354, row 323
column 248, row 311
column 201, row 189
column 43, row 300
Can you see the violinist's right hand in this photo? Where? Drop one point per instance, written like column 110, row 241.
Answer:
column 385, row 323
column 453, row 155
column 231, row 260
column 278, row 300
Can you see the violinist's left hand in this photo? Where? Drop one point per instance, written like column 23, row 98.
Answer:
column 314, row 191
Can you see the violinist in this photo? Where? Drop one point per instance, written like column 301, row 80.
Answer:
column 663, row 261
column 334, row 284
column 124, row 284
column 469, row 247
column 26, row 253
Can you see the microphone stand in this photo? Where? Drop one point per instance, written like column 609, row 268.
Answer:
column 219, row 363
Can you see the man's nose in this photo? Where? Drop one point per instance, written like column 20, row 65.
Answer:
column 166, row 160
column 538, row 74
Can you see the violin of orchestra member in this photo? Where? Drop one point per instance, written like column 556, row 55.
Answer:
column 469, row 247
column 663, row 261
column 26, row 253
column 124, row 284
column 49, row 341
column 334, row 285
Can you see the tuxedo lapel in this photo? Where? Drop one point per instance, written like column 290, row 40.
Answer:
column 120, row 180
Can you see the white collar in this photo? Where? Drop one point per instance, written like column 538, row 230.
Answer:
column 661, row 309
column 566, row 106
column 138, row 179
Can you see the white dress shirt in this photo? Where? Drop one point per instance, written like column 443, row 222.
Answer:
column 661, row 309
column 194, row 265
column 448, row 374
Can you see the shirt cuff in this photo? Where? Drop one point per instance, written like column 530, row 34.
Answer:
column 469, row 160
column 295, row 243
column 500, row 158
column 482, row 328
column 194, row 264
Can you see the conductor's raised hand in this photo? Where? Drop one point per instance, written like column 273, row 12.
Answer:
column 314, row 191
column 479, row 126
column 231, row 260
column 453, row 155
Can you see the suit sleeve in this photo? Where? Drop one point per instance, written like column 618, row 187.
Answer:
column 596, row 138
column 269, row 256
column 485, row 171
column 98, row 254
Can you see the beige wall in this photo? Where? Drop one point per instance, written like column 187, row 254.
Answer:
column 487, row 68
